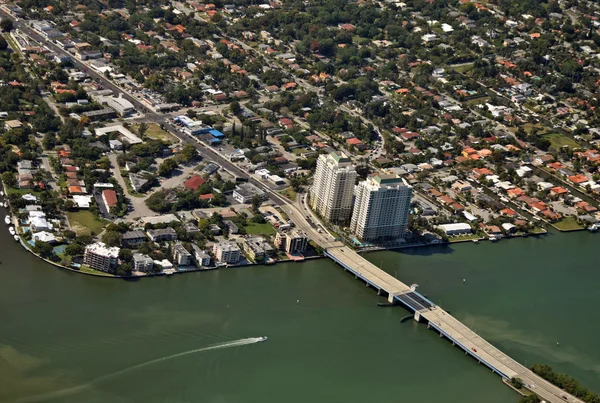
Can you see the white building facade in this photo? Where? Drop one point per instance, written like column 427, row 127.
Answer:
column 333, row 186
column 381, row 208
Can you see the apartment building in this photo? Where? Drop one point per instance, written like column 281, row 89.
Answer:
column 381, row 208
column 101, row 257
column 332, row 190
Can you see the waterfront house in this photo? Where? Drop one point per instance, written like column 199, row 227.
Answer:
column 181, row 256
column 143, row 263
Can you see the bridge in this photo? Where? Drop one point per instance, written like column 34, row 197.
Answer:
column 445, row 324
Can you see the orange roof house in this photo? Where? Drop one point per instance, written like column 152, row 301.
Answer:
column 516, row 192
column 577, row 179
column 194, row 182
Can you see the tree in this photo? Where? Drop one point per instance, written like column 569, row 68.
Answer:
column 517, row 383
column 530, row 399
column 124, row 269
column 142, row 129
column 43, row 249
column 187, row 153
column 6, row 25
column 235, row 107
column 126, row 255
column 167, row 167
column 112, row 238
column 74, row 249
column 9, row 179
column 256, row 202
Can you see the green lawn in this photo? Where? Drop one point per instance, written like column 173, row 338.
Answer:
column 558, row 140
column 85, row 269
column 84, row 222
column 155, row 132
column 10, row 191
column 289, row 193
column 567, row 224
column 476, row 101
column 462, row 238
column 299, row 151
column 462, row 68
column 260, row 229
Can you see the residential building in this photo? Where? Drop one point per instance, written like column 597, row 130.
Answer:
column 109, row 197
column 100, row 257
column 142, row 262
column 164, row 234
column 291, row 241
column 332, row 190
column 181, row 256
column 258, row 249
column 200, row 256
column 233, row 229
column 133, row 239
column 381, row 208
column 244, row 193
column 226, row 252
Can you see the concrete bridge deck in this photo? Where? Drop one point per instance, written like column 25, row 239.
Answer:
column 447, row 325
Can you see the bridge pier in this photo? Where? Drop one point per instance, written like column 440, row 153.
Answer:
column 391, row 298
column 417, row 316
column 441, row 335
column 379, row 291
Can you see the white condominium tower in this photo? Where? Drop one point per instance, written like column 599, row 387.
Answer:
column 381, row 208
column 333, row 187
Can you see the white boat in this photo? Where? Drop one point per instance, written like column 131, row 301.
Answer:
column 5, row 204
column 1, row 193
column 12, row 231
column 263, row 338
column 16, row 238
column 7, row 220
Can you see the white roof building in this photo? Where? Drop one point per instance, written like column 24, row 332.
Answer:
column 125, row 134
column 44, row 236
column 456, row 228
column 82, row 202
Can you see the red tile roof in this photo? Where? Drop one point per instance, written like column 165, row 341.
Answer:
column 194, row 182
column 110, row 197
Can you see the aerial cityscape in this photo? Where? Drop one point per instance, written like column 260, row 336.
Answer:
column 200, row 142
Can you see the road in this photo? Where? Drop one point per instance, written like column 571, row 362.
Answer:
column 23, row 27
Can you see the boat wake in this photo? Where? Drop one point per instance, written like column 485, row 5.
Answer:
column 77, row 389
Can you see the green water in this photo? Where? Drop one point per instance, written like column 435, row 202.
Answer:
column 71, row 338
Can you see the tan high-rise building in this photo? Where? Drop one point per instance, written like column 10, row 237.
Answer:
column 381, row 208
column 333, row 187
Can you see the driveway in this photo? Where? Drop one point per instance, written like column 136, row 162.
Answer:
column 138, row 204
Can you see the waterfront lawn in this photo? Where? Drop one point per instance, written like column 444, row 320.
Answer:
column 84, row 223
column 155, row 132
column 567, row 224
column 558, row 140
column 466, row 237
column 89, row 270
column 260, row 229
